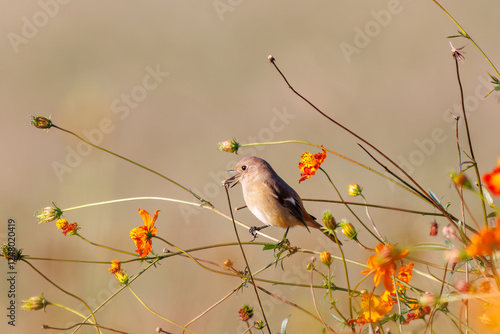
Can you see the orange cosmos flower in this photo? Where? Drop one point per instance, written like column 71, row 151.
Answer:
column 142, row 235
column 309, row 163
column 405, row 275
column 484, row 243
column 418, row 312
column 374, row 308
column 384, row 264
column 115, row 266
column 66, row 228
column 492, row 180
column 120, row 274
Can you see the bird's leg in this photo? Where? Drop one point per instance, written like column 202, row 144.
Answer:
column 285, row 240
column 253, row 230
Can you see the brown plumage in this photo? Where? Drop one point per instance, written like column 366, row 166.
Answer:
column 270, row 198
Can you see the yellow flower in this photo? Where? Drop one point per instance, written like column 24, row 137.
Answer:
column 310, row 163
column 142, row 235
column 384, row 264
column 374, row 308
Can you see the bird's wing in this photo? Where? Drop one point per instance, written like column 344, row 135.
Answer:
column 289, row 199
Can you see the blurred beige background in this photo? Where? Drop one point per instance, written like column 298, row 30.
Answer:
column 89, row 62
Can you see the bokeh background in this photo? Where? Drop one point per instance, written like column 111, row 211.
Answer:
column 381, row 68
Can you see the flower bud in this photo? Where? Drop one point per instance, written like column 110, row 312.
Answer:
column 326, row 258
column 329, row 221
column 460, row 179
column 41, row 122
column 427, row 299
column 246, row 312
column 230, row 146
column 48, row 214
column 434, row 229
column 35, row 303
column 228, row 264
column 348, row 230
column 354, row 190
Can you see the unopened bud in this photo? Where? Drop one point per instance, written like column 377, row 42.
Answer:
column 326, row 258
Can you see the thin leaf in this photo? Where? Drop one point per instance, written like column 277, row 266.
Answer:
column 284, row 324
column 429, row 246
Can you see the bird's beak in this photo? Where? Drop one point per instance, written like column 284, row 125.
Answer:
column 233, row 180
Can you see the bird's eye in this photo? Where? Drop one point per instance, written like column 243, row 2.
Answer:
column 244, row 167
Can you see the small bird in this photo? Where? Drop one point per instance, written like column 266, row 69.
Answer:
column 270, row 198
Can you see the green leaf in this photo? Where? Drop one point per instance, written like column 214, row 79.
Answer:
column 284, row 323
column 271, row 246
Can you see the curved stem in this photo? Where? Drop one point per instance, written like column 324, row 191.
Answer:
column 66, row 292
column 246, row 261
column 105, row 247
column 419, row 187
column 466, row 35
column 347, row 206
column 156, row 313
column 476, row 169
column 134, row 163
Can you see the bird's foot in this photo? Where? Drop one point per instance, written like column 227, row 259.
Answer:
column 284, row 243
column 253, row 231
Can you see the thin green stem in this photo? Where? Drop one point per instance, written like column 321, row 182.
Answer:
column 334, row 153
column 246, row 262
column 132, row 279
column 466, row 35
column 211, row 307
column 70, row 310
column 156, row 313
column 347, row 206
column 66, row 292
column 314, row 303
column 469, row 140
column 105, row 247
column 419, row 187
column 134, row 163
column 370, row 217
column 349, row 295
column 131, row 199
column 423, row 213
